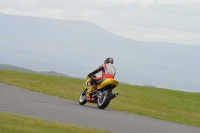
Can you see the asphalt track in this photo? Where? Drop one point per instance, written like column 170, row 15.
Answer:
column 30, row 103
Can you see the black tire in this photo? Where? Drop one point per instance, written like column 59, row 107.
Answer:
column 104, row 100
column 82, row 97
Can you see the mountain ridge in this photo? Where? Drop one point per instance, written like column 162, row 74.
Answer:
column 22, row 69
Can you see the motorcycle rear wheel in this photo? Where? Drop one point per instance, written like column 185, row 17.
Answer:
column 104, row 100
column 82, row 98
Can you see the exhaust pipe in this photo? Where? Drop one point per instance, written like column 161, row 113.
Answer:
column 114, row 95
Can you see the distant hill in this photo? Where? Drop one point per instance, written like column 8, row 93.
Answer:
column 10, row 67
column 21, row 69
column 78, row 47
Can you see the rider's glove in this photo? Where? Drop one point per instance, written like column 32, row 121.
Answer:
column 90, row 75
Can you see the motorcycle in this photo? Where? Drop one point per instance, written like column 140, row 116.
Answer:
column 102, row 95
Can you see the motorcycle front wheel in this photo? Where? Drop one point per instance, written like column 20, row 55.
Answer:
column 82, row 98
column 104, row 99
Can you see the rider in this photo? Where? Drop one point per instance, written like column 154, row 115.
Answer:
column 108, row 71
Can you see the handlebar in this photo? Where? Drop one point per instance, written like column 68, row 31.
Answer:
column 93, row 76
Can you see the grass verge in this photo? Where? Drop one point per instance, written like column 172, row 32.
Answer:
column 11, row 123
column 171, row 105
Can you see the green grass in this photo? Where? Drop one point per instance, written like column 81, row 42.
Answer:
column 171, row 105
column 11, row 123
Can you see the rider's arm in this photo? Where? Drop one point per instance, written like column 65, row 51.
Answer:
column 100, row 68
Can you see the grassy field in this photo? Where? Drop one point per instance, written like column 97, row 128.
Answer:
column 11, row 123
column 176, row 106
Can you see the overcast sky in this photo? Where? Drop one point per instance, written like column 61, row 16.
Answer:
column 175, row 21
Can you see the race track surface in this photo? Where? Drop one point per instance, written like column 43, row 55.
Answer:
column 25, row 102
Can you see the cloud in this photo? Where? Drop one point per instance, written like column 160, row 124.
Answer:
column 181, row 8
column 157, row 34
column 19, row 4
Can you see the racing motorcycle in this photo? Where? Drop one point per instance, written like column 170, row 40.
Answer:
column 102, row 95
